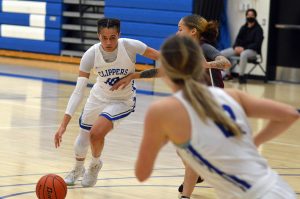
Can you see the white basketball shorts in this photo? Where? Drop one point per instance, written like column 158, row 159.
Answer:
column 114, row 111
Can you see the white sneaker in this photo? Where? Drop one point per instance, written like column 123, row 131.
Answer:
column 73, row 176
column 90, row 176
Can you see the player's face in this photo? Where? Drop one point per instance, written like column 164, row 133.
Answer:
column 109, row 39
column 183, row 29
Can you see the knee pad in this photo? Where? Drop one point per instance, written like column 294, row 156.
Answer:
column 82, row 144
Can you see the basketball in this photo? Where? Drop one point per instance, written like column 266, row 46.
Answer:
column 51, row 186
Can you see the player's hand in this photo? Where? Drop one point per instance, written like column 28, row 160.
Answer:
column 58, row 136
column 122, row 83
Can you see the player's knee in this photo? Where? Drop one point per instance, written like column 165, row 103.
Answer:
column 82, row 144
column 97, row 135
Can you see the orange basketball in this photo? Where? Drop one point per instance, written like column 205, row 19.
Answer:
column 51, row 186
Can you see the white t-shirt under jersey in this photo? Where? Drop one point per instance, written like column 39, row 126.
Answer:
column 132, row 47
column 112, row 66
column 232, row 165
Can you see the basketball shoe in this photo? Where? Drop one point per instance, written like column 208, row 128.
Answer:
column 73, row 176
column 90, row 176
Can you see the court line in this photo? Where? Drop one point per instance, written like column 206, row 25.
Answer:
column 30, row 127
column 99, row 179
column 32, row 106
column 285, row 144
column 109, row 170
column 73, row 83
column 115, row 186
column 130, row 169
column 122, row 178
column 127, row 122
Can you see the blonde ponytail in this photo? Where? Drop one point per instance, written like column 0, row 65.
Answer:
column 182, row 58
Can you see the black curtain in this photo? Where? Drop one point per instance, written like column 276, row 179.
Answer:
column 209, row 9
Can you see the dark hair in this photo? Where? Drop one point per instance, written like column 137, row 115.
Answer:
column 108, row 23
column 251, row 10
column 208, row 30
column 211, row 33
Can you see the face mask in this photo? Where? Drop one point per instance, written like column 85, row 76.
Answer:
column 250, row 19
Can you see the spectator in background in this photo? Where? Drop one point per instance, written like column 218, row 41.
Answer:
column 247, row 44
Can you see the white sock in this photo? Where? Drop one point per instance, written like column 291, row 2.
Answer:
column 79, row 164
column 95, row 160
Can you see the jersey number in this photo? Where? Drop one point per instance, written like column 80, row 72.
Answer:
column 112, row 81
column 225, row 131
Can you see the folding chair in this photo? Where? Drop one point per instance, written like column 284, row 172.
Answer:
column 257, row 61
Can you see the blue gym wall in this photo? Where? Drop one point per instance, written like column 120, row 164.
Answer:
column 31, row 28
column 148, row 21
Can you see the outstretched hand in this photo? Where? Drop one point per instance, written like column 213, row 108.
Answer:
column 58, row 136
column 122, row 83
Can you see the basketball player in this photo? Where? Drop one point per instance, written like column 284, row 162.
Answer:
column 112, row 58
column 210, row 129
column 205, row 33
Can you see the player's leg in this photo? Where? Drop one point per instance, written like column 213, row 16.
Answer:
column 190, row 180
column 101, row 127
column 81, row 146
column 109, row 118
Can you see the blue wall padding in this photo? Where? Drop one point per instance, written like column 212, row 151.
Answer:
column 54, row 1
column 54, row 9
column 30, row 45
column 23, row 20
column 52, row 35
column 150, row 41
column 146, row 29
column 145, row 16
column 51, row 8
column 174, row 5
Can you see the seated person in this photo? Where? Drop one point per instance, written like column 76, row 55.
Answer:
column 247, row 44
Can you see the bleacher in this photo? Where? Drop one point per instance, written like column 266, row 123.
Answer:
column 68, row 27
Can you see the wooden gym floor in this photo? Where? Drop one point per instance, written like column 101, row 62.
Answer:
column 33, row 97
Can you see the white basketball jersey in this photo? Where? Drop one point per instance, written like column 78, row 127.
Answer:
column 232, row 165
column 110, row 73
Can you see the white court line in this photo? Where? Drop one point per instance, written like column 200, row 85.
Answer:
column 286, row 144
column 62, row 110
column 31, row 106
column 56, row 126
column 29, row 127
column 51, row 109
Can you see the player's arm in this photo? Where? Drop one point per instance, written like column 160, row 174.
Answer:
column 151, row 53
column 149, row 73
column 281, row 116
column 152, row 141
column 76, row 97
column 73, row 103
column 220, row 62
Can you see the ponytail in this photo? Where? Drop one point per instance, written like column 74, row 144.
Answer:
column 181, row 58
column 211, row 32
